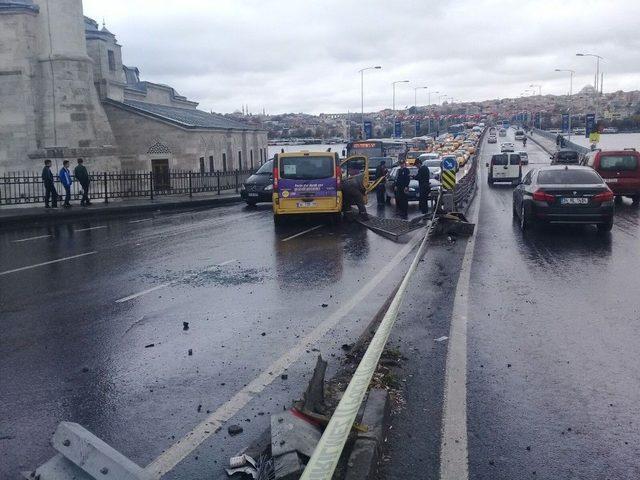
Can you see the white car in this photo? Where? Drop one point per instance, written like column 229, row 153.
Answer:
column 505, row 167
column 507, row 147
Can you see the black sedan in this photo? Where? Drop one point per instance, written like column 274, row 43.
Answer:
column 563, row 194
column 259, row 186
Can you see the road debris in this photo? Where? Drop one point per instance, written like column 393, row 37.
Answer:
column 235, row 430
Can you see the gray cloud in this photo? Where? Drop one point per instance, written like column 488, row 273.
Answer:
column 304, row 56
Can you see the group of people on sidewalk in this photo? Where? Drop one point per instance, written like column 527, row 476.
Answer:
column 401, row 187
column 51, row 194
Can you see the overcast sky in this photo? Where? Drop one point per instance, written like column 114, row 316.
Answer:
column 304, row 55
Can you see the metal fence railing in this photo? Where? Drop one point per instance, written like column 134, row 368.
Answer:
column 21, row 188
column 552, row 137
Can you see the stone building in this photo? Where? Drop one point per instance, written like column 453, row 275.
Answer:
column 65, row 93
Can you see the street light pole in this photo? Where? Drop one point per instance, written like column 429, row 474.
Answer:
column 429, row 128
column 415, row 95
column 597, row 79
column 571, row 74
column 377, row 67
column 394, row 91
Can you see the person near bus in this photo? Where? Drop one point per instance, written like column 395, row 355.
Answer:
column 81, row 174
column 423, row 176
column 402, row 189
column 381, row 172
column 524, row 142
column 50, row 192
column 65, row 179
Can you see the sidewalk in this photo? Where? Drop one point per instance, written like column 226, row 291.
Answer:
column 544, row 143
column 28, row 213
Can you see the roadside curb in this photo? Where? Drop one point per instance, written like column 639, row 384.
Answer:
column 62, row 215
column 367, row 448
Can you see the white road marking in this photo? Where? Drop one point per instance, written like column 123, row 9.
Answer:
column 46, row 263
column 165, row 285
column 442, row 339
column 454, row 454
column 183, row 447
column 90, row 228
column 302, row 233
column 142, row 220
column 30, row 238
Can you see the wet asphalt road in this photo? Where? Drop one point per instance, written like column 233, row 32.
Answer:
column 98, row 339
column 553, row 390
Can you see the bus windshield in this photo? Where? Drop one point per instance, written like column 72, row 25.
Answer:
column 307, row 168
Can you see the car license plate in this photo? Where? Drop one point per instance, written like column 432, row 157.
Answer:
column 574, row 201
column 611, row 180
column 306, row 204
column 253, row 194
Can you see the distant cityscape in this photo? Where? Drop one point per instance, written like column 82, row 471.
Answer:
column 620, row 110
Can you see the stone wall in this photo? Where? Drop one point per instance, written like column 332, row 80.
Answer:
column 17, row 101
column 141, row 139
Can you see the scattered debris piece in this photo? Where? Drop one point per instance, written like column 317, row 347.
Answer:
column 284, row 376
column 324, row 305
column 199, row 408
column 185, row 325
column 263, row 334
column 150, row 345
column 442, row 339
column 346, row 347
column 190, row 352
column 235, row 430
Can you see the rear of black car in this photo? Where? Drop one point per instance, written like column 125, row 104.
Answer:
column 572, row 195
column 259, row 186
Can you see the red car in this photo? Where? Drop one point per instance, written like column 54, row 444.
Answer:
column 619, row 168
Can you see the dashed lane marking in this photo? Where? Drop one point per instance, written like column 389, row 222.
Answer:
column 15, row 270
column 30, row 238
column 141, row 220
column 165, row 285
column 90, row 228
column 302, row 233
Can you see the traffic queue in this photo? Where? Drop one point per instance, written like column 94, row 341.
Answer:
column 323, row 182
column 574, row 189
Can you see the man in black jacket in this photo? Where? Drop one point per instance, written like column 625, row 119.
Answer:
column 82, row 176
column 402, row 188
column 423, row 177
column 50, row 191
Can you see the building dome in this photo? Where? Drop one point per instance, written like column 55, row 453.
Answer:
column 588, row 90
column 13, row 5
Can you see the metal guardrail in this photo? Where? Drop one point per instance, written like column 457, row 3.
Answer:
column 21, row 188
column 325, row 457
column 570, row 145
column 466, row 185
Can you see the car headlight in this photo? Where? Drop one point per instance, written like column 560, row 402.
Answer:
column 268, row 188
column 412, row 189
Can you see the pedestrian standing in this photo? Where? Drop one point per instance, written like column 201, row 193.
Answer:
column 65, row 179
column 423, row 177
column 402, row 189
column 381, row 172
column 50, row 192
column 82, row 176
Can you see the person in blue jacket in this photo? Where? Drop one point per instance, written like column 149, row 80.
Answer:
column 65, row 179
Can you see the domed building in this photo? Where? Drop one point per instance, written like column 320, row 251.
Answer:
column 65, row 93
